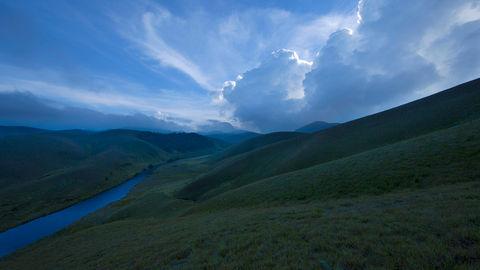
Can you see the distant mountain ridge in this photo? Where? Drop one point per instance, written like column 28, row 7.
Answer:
column 17, row 130
column 316, row 126
column 233, row 137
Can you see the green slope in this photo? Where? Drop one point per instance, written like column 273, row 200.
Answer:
column 233, row 138
column 41, row 172
column 410, row 205
column 434, row 228
column 442, row 110
column 255, row 143
column 407, row 202
column 315, row 127
column 443, row 157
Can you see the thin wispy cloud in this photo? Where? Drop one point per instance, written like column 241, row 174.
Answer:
column 211, row 49
column 112, row 95
column 155, row 47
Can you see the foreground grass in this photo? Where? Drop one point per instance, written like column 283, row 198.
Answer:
column 434, row 228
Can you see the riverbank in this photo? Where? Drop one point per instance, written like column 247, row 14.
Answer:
column 29, row 232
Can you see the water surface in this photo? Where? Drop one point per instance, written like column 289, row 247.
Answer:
column 36, row 229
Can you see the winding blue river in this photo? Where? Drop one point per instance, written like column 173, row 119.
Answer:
column 36, row 229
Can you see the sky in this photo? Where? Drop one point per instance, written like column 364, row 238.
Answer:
column 223, row 65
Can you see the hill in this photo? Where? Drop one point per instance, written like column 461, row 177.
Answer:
column 410, row 204
column 446, row 156
column 18, row 130
column 42, row 171
column 451, row 107
column 316, row 126
column 233, row 138
column 409, row 201
column 255, row 143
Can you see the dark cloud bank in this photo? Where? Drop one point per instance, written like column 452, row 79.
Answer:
column 25, row 109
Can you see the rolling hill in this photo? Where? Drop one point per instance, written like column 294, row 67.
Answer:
column 451, row 107
column 235, row 137
column 255, row 143
column 396, row 190
column 316, row 126
column 18, row 130
column 42, row 171
column 442, row 157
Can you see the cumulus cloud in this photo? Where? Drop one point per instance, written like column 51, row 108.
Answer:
column 23, row 108
column 212, row 48
column 271, row 94
column 394, row 54
column 380, row 65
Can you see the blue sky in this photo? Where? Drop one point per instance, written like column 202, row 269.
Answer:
column 197, row 65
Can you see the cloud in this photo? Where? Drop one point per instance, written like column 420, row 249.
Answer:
column 23, row 108
column 215, row 126
column 154, row 32
column 212, row 48
column 393, row 53
column 456, row 55
column 111, row 95
column 380, row 66
column 270, row 94
column 308, row 38
column 353, row 60
column 158, row 49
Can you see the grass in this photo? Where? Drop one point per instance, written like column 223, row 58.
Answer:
column 44, row 171
column 447, row 156
column 443, row 110
column 315, row 127
column 396, row 190
column 434, row 228
column 366, row 211
column 233, row 138
column 255, row 143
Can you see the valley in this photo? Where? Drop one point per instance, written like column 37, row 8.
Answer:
column 395, row 190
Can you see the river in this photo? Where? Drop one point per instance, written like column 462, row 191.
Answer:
column 39, row 228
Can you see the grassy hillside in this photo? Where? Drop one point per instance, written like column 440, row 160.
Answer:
column 443, row 157
column 255, row 143
column 315, row 127
column 173, row 142
column 233, row 137
column 442, row 110
column 400, row 198
column 434, row 228
column 41, row 172
column 411, row 205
